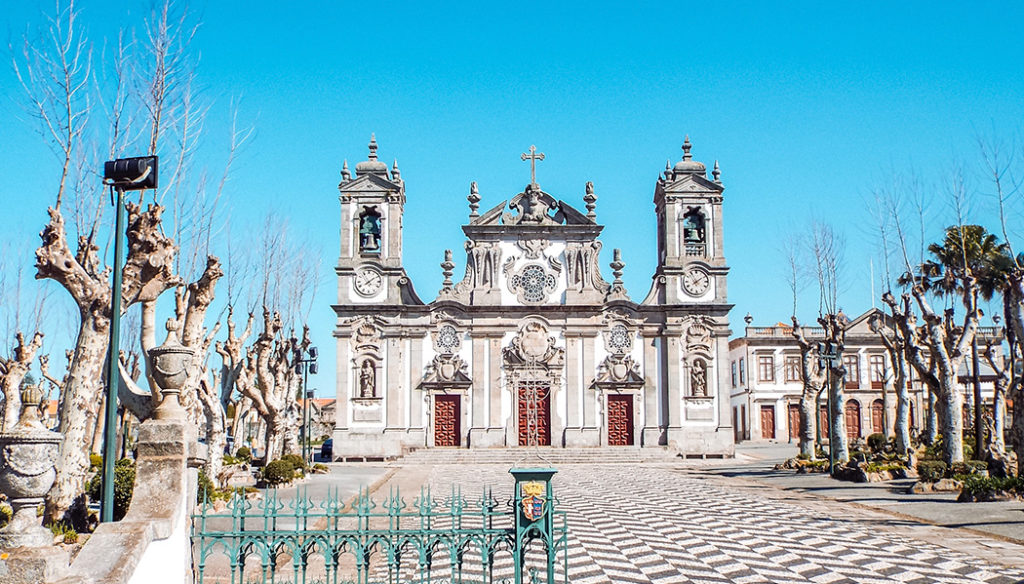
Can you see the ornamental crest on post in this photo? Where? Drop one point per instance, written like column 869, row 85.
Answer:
column 533, row 500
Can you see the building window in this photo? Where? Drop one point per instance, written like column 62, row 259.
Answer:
column 743, row 372
column 852, row 364
column 734, row 374
column 766, row 368
column 792, row 368
column 877, row 371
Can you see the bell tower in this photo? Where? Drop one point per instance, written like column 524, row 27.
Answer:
column 370, row 264
column 691, row 262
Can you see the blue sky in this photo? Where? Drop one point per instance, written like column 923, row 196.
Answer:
column 806, row 106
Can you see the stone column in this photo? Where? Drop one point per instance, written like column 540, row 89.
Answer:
column 343, row 377
column 651, row 393
column 394, row 362
column 478, row 405
column 415, row 375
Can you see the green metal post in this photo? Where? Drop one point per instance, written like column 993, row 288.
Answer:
column 533, row 525
column 113, row 375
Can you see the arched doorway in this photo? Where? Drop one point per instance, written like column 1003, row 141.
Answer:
column 852, row 420
column 877, row 416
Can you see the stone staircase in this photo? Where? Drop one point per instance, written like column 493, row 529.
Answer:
column 529, row 456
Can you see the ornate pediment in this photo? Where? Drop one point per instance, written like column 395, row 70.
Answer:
column 446, row 371
column 619, row 371
column 368, row 183
column 532, row 207
column 366, row 331
column 699, row 333
column 532, row 346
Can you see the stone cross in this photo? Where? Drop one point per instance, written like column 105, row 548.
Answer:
column 533, row 157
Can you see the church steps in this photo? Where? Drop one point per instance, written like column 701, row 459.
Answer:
column 528, row 456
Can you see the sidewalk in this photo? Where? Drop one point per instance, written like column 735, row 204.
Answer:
column 755, row 461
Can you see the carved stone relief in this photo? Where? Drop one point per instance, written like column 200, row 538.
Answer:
column 582, row 268
column 532, row 283
column 534, row 347
column 532, row 248
column 698, row 333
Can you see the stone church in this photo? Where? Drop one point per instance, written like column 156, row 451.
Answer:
column 533, row 346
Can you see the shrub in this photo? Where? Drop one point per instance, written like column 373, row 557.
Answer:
column 297, row 461
column 229, row 460
column 803, row 456
column 124, row 484
column 278, row 472
column 982, row 488
column 6, row 513
column 67, row 533
column 930, row 471
column 205, row 489
column 318, row 467
column 881, row 466
column 876, row 442
column 968, row 467
column 244, row 454
column 95, row 461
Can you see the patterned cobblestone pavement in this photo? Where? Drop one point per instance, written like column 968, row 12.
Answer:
column 665, row 525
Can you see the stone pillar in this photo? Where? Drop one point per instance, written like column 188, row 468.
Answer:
column 343, row 377
column 415, row 375
column 574, row 386
column 394, row 362
column 478, row 400
column 496, row 423
column 651, row 393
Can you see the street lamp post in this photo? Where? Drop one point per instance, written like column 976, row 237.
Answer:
column 305, row 365
column 829, row 357
column 124, row 174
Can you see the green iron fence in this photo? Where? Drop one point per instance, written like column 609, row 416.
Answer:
column 451, row 540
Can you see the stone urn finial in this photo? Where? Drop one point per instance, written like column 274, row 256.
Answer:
column 28, row 455
column 171, row 362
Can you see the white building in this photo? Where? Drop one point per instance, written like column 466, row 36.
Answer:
column 765, row 386
column 533, row 345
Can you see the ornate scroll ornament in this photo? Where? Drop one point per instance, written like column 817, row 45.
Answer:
column 533, row 248
column 582, row 269
column 532, row 284
column 698, row 333
column 619, row 370
column 446, row 371
column 481, row 267
column 532, row 206
column 532, row 346
column 366, row 333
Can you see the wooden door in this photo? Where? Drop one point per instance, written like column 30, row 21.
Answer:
column 767, row 421
column 534, row 413
column 794, row 421
column 823, row 421
column 852, row 420
column 447, row 417
column 877, row 416
column 620, row 420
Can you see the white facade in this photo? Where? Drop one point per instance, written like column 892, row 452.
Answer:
column 764, row 383
column 532, row 345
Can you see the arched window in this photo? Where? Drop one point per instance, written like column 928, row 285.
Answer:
column 369, row 230
column 695, row 233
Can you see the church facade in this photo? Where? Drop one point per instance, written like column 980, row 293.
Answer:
column 533, row 346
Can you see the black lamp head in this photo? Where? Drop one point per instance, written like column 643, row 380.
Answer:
column 131, row 174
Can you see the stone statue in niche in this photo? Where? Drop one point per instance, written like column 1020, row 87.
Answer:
column 369, row 230
column 699, row 378
column 367, row 380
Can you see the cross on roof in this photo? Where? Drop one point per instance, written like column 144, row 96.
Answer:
column 533, row 157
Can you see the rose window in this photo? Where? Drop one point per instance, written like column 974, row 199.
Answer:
column 619, row 340
column 448, row 339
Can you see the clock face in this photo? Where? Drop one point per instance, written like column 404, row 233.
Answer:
column 696, row 282
column 368, row 281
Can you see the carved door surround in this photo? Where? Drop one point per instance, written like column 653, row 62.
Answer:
column 534, row 367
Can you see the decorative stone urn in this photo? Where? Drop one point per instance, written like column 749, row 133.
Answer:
column 170, row 361
column 28, row 455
